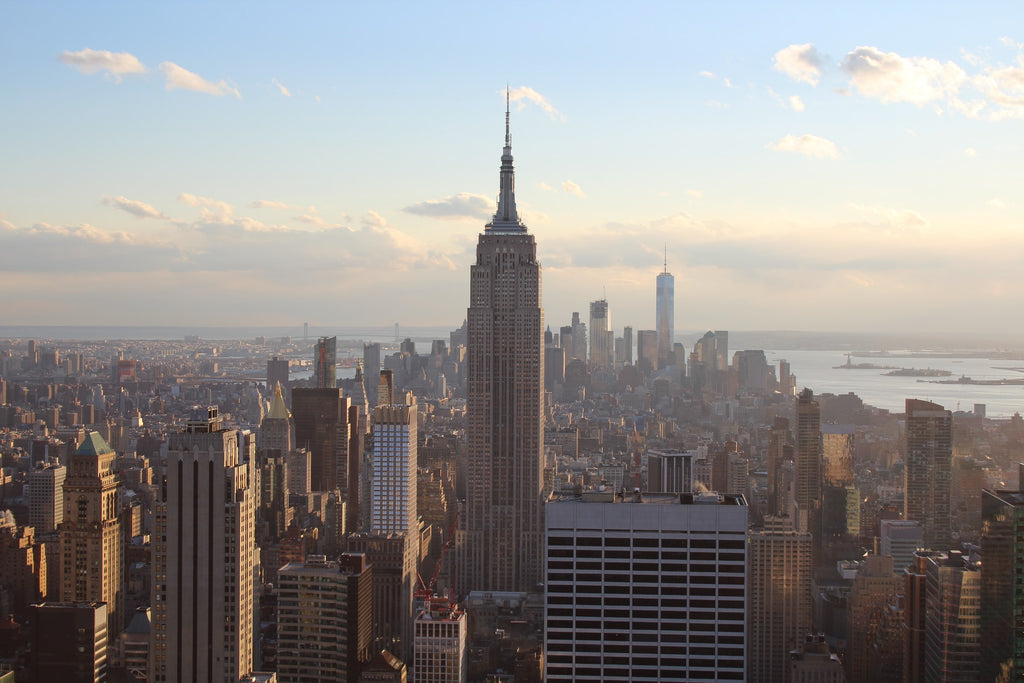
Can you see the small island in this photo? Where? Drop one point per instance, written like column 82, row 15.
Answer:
column 917, row 372
column 850, row 365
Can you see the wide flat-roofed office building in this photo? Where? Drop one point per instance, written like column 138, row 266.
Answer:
column 645, row 588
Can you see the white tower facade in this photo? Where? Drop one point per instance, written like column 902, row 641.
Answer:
column 393, row 486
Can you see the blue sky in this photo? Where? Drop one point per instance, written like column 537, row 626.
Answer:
column 815, row 168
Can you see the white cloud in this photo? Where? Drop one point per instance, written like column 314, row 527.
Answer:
column 696, row 194
column 572, row 188
column 545, row 187
column 372, row 219
column 271, row 204
column 808, row 145
column 716, row 104
column 970, row 152
column 212, row 210
column 177, row 77
column 317, row 98
column 893, row 220
column 134, row 207
column 1003, row 87
column 796, row 103
column 996, row 203
column 523, row 94
column 284, row 90
column 890, row 77
column 313, row 218
column 117, row 64
column 800, row 62
column 464, row 205
column 715, row 77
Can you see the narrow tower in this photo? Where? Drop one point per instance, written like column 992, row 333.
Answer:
column 505, row 408
column 91, row 537
column 666, row 306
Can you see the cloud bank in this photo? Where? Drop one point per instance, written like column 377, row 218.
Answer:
column 462, row 206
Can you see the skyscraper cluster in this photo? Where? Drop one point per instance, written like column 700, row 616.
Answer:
column 570, row 504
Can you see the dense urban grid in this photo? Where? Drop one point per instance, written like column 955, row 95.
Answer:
column 525, row 502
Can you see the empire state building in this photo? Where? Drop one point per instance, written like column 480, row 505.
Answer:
column 504, row 506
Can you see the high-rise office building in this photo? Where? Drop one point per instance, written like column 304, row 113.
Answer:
column 647, row 351
column 1002, row 595
column 277, row 373
column 46, row 498
column 808, row 465
column 371, row 370
column 840, row 498
column 952, row 619
column 386, row 387
column 70, row 642
column 578, row 336
column 813, row 662
column 873, row 589
column 325, row 363
column 326, row 644
column 915, row 609
column 394, row 558
column 299, row 465
column 899, row 538
column 205, row 565
column 929, row 463
column 670, row 471
column 601, row 352
column 779, row 599
column 646, row 588
column 321, row 426
column 276, row 428
column 505, row 407
column 393, row 486
column 276, row 444
column 780, row 451
column 666, row 313
column 441, row 644
column 627, row 340
column 91, row 537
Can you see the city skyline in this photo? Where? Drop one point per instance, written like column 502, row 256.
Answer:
column 280, row 160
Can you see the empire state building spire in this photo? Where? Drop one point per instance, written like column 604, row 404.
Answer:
column 506, row 219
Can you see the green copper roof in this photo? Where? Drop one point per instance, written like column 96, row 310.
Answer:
column 94, row 445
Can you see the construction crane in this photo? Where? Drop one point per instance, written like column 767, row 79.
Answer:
column 426, row 590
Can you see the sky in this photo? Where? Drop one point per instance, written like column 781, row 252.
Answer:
column 802, row 167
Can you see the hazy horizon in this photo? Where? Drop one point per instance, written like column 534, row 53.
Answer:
column 779, row 340
column 331, row 162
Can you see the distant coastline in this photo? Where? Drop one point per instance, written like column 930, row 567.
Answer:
column 858, row 344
